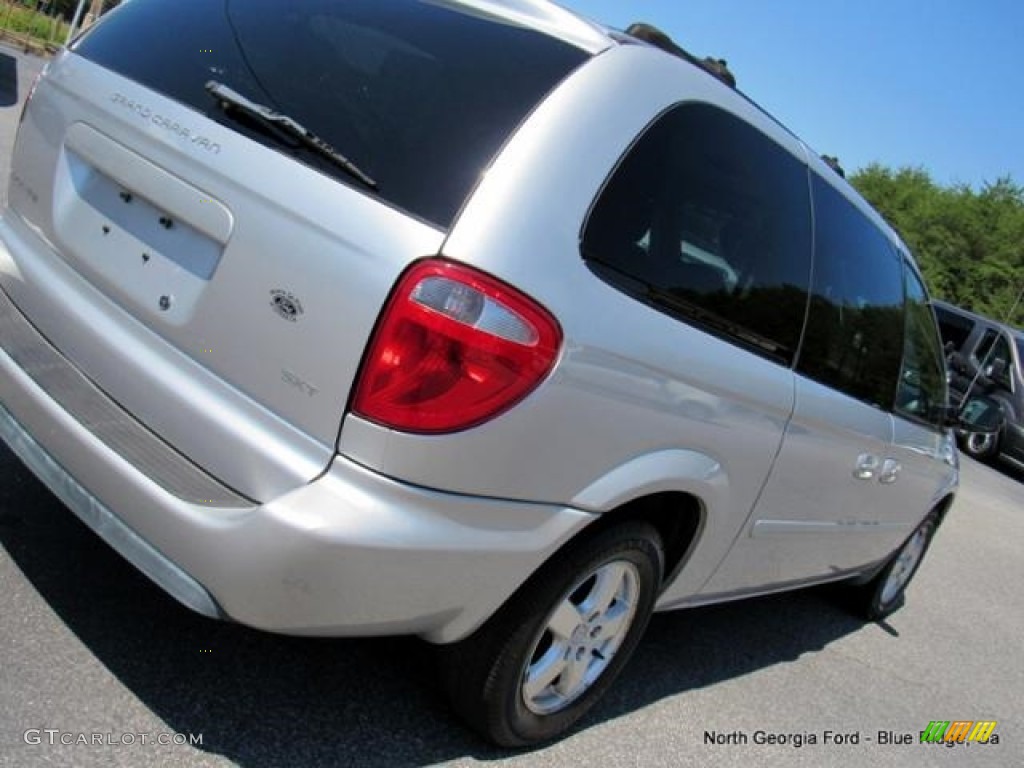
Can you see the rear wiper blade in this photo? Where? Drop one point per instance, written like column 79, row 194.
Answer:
column 228, row 98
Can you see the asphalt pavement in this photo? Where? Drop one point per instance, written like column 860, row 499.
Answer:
column 97, row 665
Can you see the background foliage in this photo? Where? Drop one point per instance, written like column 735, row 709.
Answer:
column 969, row 244
column 26, row 19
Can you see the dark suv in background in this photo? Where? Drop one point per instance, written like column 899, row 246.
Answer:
column 991, row 356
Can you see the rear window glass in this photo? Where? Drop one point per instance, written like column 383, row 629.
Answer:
column 419, row 95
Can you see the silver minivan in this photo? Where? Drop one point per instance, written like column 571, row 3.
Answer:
column 464, row 319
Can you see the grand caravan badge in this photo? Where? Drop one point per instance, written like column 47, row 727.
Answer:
column 168, row 124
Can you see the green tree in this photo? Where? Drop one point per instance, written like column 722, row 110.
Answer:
column 969, row 244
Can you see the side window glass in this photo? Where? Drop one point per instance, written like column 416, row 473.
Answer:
column 855, row 327
column 954, row 328
column 707, row 219
column 984, row 348
column 994, row 359
column 1001, row 361
column 921, row 392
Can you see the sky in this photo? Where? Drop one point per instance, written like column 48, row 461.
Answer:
column 936, row 84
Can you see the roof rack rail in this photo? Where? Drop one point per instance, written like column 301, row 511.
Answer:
column 718, row 68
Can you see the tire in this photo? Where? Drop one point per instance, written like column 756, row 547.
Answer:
column 884, row 594
column 981, row 446
column 548, row 655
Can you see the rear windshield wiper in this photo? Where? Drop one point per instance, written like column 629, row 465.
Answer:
column 229, row 99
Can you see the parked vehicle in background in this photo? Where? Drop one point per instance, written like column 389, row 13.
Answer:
column 467, row 320
column 987, row 356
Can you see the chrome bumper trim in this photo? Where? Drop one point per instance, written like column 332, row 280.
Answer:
column 105, row 523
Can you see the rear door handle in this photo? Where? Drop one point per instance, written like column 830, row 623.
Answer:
column 867, row 465
column 890, row 472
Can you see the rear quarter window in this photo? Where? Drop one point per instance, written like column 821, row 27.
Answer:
column 709, row 220
column 419, row 95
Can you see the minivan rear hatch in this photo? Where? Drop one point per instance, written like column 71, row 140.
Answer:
column 243, row 182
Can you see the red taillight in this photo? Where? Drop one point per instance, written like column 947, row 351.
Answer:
column 454, row 348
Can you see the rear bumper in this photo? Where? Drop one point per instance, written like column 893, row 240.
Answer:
column 351, row 553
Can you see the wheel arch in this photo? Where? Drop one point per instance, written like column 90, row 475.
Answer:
column 1011, row 415
column 677, row 516
column 943, row 506
column 940, row 509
